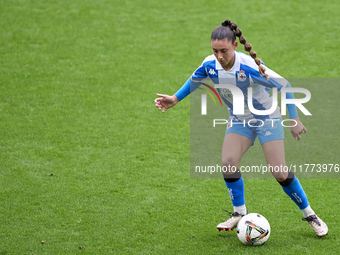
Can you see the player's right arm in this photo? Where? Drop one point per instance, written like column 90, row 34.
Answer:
column 164, row 102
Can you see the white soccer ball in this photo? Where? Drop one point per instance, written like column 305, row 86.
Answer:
column 253, row 229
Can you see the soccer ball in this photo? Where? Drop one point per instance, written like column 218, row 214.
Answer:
column 253, row 229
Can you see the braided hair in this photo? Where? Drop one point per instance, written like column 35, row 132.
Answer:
column 229, row 30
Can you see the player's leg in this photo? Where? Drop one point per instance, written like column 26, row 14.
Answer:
column 234, row 147
column 275, row 157
column 274, row 153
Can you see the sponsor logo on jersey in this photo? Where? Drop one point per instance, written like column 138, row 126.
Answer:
column 212, row 72
column 226, row 93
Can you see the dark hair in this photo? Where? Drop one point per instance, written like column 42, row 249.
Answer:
column 222, row 32
column 229, row 30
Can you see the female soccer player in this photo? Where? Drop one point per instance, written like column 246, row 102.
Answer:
column 226, row 65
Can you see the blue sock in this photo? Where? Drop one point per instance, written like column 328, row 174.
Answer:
column 236, row 192
column 295, row 191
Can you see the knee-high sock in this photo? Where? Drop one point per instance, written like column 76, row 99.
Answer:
column 235, row 185
column 292, row 187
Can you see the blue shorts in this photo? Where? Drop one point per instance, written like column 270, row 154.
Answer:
column 267, row 130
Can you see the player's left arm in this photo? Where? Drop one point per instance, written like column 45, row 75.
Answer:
column 275, row 80
column 297, row 128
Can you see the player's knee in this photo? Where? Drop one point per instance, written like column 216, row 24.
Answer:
column 288, row 180
column 229, row 162
column 280, row 176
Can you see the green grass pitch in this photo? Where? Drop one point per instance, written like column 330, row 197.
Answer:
column 88, row 165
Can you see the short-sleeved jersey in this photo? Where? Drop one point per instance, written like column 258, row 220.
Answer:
column 243, row 74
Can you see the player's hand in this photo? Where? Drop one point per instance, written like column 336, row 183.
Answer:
column 298, row 129
column 164, row 102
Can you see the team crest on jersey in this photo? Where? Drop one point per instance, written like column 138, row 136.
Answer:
column 241, row 76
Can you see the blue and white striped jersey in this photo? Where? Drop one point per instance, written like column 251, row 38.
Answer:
column 243, row 74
